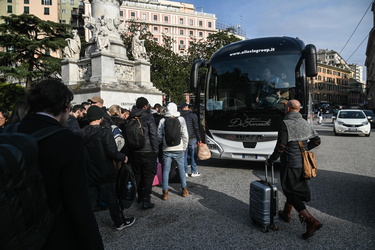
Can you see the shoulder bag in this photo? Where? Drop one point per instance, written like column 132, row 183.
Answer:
column 310, row 167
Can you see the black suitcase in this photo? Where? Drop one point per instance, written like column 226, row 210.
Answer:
column 264, row 203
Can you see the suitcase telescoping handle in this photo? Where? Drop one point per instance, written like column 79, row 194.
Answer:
column 272, row 174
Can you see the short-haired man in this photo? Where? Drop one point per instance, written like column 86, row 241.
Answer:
column 101, row 152
column 144, row 160
column 73, row 120
column 296, row 189
column 62, row 164
column 194, row 137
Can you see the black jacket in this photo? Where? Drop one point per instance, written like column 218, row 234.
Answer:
column 192, row 124
column 62, row 164
column 150, row 129
column 101, row 151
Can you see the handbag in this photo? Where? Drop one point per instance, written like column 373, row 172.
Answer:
column 310, row 167
column 204, row 152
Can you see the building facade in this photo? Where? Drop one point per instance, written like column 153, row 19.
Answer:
column 44, row 9
column 335, row 83
column 177, row 20
column 370, row 64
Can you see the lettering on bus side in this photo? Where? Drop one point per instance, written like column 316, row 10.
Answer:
column 249, row 122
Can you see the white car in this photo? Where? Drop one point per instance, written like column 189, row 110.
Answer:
column 351, row 121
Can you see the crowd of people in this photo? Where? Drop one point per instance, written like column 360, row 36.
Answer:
column 91, row 145
column 79, row 164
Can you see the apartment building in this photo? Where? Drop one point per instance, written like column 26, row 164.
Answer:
column 178, row 20
column 335, row 83
column 44, row 9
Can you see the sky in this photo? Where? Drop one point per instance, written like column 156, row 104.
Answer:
column 328, row 24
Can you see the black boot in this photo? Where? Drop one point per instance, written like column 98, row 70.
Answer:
column 146, row 203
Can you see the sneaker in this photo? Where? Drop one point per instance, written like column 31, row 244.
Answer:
column 195, row 174
column 127, row 223
column 187, row 175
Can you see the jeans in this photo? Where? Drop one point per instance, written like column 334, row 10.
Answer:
column 178, row 156
column 108, row 190
column 190, row 155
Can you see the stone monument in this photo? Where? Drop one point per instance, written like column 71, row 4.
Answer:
column 105, row 70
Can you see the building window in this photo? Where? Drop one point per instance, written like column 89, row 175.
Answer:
column 181, row 53
column 63, row 1
column 9, row 1
column 46, row 2
column 191, row 33
column 156, row 29
column 191, row 22
column 10, row 10
column 121, row 13
column 62, row 21
column 181, row 32
column 144, row 16
column 26, row 1
column 181, row 21
column 200, row 24
column 155, row 17
column 71, row 2
column 156, row 39
column 46, row 11
column 166, row 19
column 63, row 11
column 166, row 30
column 26, row 10
column 209, row 25
column 209, row 34
column 200, row 34
column 132, row 15
column 47, row 52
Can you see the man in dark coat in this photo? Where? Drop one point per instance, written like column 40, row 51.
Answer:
column 62, row 165
column 194, row 137
column 101, row 151
column 296, row 189
column 144, row 160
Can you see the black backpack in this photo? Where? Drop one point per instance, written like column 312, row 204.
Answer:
column 172, row 131
column 126, row 186
column 134, row 134
column 24, row 213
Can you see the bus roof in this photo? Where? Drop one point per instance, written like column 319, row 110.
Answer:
column 259, row 45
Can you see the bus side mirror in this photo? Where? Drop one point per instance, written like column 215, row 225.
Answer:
column 194, row 73
column 311, row 61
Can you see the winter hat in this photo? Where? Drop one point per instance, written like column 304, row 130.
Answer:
column 141, row 102
column 172, row 110
column 94, row 113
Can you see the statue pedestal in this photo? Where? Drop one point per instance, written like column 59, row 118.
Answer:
column 142, row 73
column 70, row 71
column 103, row 69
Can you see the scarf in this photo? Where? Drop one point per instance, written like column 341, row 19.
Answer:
column 298, row 128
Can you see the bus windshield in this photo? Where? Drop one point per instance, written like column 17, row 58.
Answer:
column 263, row 82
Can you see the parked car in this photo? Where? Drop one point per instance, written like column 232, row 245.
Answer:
column 370, row 116
column 351, row 121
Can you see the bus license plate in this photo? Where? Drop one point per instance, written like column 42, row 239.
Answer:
column 246, row 156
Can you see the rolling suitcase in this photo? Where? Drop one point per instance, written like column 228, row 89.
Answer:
column 264, row 203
